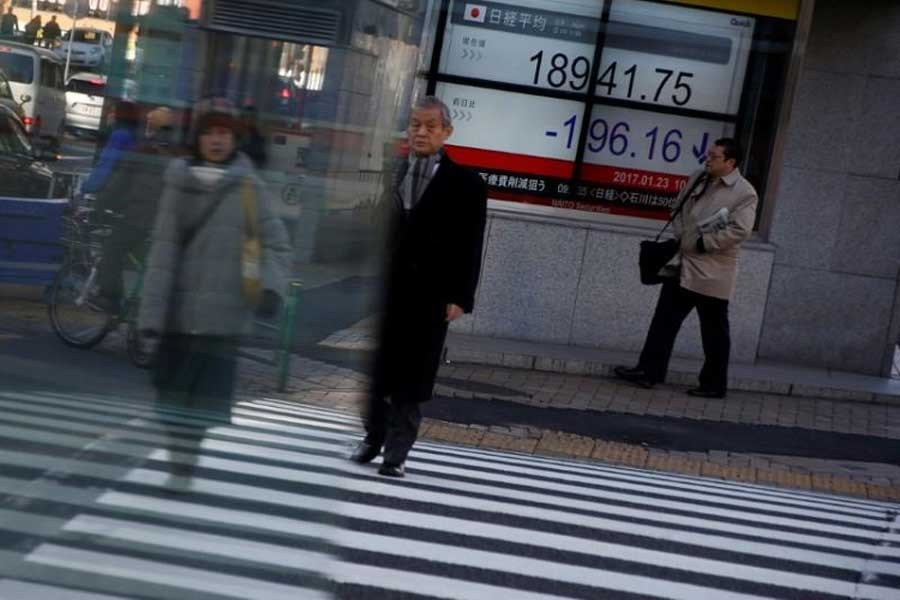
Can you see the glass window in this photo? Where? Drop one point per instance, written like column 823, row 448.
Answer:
column 87, row 36
column 48, row 74
column 13, row 139
column 60, row 76
column 19, row 68
column 606, row 106
column 91, row 87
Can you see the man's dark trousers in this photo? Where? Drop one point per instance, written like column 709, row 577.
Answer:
column 394, row 425
column 674, row 305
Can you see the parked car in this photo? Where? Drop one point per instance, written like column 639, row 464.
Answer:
column 84, row 101
column 23, row 172
column 90, row 47
column 7, row 98
column 37, row 82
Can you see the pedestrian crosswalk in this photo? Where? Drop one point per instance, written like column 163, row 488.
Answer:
column 90, row 511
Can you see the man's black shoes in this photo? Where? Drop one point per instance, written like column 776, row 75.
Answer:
column 365, row 453
column 635, row 375
column 392, row 470
column 701, row 392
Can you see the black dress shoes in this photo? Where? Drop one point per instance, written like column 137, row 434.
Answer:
column 365, row 453
column 635, row 375
column 701, row 392
column 391, row 470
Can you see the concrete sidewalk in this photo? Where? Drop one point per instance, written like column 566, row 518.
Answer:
column 770, row 378
column 763, row 377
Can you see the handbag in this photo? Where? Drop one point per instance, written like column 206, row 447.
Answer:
column 251, row 248
column 654, row 254
column 653, row 257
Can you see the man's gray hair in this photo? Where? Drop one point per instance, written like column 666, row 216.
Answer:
column 427, row 102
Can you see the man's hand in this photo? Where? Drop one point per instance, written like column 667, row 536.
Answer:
column 453, row 312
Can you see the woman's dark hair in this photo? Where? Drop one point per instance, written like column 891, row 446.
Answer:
column 214, row 111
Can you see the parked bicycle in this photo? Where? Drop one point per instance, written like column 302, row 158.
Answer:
column 75, row 315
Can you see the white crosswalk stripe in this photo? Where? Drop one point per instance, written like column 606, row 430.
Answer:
column 89, row 511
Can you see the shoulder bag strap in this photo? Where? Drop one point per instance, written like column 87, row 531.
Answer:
column 189, row 235
column 705, row 179
column 251, row 210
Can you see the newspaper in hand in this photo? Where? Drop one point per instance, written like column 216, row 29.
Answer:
column 715, row 222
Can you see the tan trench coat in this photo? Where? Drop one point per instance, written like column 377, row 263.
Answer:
column 714, row 272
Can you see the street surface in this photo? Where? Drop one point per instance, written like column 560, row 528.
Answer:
column 276, row 511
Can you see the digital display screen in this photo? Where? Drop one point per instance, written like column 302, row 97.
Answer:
column 663, row 55
column 669, row 82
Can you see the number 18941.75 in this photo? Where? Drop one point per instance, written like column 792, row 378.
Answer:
column 561, row 71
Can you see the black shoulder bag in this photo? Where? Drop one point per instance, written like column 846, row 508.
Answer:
column 656, row 254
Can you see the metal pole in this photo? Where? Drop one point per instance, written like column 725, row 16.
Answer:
column 71, row 38
column 288, row 332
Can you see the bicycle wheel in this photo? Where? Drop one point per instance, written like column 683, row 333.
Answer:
column 141, row 351
column 73, row 317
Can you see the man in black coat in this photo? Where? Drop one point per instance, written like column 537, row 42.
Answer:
column 9, row 24
column 52, row 32
column 437, row 217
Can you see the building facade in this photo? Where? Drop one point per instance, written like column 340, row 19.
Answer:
column 585, row 118
column 812, row 98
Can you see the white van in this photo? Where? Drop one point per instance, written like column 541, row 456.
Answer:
column 36, row 77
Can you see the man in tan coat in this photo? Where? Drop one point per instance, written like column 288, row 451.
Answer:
column 718, row 215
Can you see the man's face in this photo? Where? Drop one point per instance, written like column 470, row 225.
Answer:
column 716, row 163
column 427, row 132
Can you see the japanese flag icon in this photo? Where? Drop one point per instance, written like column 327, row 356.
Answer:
column 475, row 12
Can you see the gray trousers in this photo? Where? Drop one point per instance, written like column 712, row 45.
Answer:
column 393, row 426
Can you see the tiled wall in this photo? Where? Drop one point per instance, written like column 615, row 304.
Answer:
column 836, row 226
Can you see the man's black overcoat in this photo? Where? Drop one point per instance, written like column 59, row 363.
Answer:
column 434, row 259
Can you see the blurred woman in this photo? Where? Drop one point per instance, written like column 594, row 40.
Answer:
column 194, row 299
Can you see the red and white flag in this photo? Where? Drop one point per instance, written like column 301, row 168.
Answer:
column 475, row 12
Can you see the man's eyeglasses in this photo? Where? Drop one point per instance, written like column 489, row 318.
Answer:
column 713, row 156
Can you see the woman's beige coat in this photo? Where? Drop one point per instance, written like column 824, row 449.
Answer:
column 714, row 272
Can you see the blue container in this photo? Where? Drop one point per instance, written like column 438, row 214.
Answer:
column 30, row 231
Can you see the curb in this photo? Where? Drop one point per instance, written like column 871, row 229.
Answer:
column 556, row 444
column 458, row 354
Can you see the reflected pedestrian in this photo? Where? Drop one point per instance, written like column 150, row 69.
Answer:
column 125, row 121
column 9, row 24
column 716, row 218
column 52, row 33
column 160, row 127
column 132, row 191
column 194, row 298
column 438, row 215
column 31, row 30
